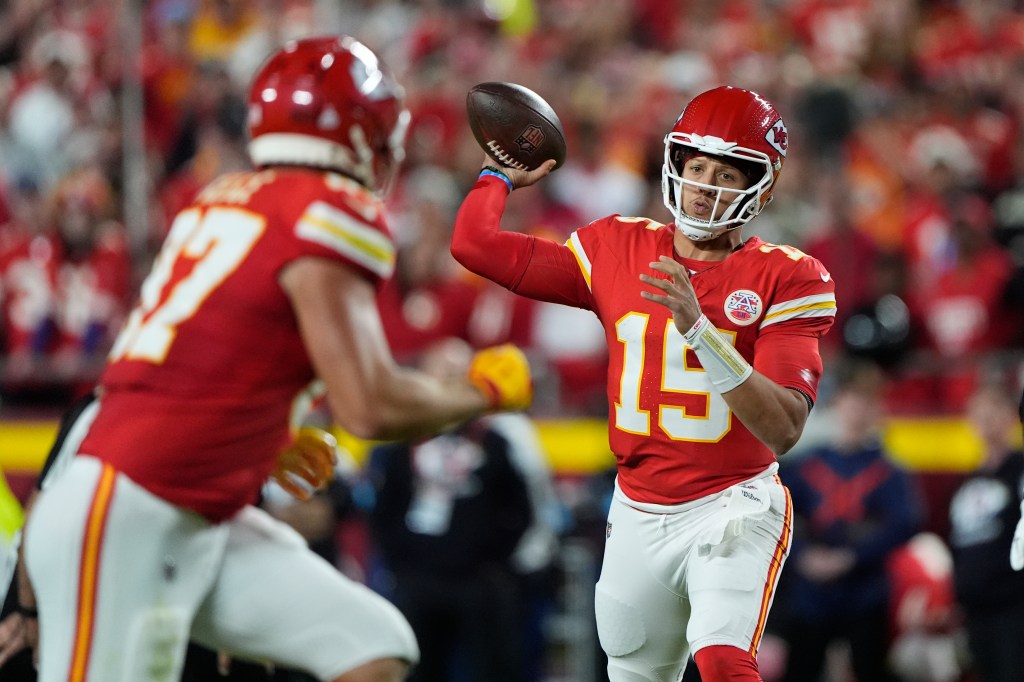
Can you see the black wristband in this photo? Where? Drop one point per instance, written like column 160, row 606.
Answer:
column 27, row 611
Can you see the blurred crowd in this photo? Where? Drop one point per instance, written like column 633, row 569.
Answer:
column 905, row 176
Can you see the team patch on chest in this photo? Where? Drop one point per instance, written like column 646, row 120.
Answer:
column 743, row 307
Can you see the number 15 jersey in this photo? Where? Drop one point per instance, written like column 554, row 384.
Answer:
column 673, row 435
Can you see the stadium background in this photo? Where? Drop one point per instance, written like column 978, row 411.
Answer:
column 904, row 177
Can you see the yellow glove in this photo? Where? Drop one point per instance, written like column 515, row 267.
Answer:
column 502, row 374
column 310, row 459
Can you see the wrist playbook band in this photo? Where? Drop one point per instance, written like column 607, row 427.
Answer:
column 724, row 365
column 491, row 170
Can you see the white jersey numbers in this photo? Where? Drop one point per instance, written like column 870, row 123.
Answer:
column 216, row 240
column 677, row 376
column 791, row 252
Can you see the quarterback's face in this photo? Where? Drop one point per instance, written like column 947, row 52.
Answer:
column 719, row 175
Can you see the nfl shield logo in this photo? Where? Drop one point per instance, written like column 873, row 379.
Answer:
column 530, row 139
column 608, row 530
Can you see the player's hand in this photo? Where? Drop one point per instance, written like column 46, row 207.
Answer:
column 502, row 374
column 1017, row 546
column 521, row 178
column 307, row 465
column 677, row 292
column 17, row 632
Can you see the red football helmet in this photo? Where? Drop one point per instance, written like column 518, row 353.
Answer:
column 740, row 126
column 328, row 103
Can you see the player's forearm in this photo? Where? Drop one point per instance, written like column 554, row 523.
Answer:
column 478, row 242
column 407, row 404
column 774, row 414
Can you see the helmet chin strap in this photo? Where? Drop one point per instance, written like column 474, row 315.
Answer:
column 696, row 234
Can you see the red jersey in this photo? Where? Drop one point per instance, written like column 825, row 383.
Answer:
column 673, row 435
column 196, row 396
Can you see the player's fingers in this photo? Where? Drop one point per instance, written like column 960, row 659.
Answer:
column 538, row 173
column 294, row 489
column 656, row 282
column 321, row 458
column 223, row 664
column 657, row 298
column 671, row 268
column 306, row 471
column 12, row 641
column 665, row 285
column 319, row 463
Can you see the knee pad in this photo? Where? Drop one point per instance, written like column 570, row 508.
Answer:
column 619, row 625
column 724, row 663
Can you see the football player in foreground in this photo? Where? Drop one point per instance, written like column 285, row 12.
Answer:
column 267, row 280
column 714, row 365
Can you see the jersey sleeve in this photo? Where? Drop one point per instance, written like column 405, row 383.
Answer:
column 332, row 217
column 801, row 312
column 531, row 266
column 331, row 231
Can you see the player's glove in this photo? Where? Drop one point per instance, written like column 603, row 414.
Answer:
column 307, row 465
column 502, row 374
column 1017, row 546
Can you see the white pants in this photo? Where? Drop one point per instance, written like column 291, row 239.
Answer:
column 125, row 579
column 677, row 579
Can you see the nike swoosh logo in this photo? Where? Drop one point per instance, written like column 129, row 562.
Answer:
column 825, row 276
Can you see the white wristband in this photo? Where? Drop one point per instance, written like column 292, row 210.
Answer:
column 724, row 365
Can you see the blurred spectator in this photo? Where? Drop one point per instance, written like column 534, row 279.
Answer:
column 168, row 74
column 68, row 282
column 983, row 513
column 846, row 252
column 25, row 292
column 594, row 182
column 853, row 507
column 925, row 628
column 448, row 516
column 93, row 274
column 963, row 310
column 941, row 170
column 882, row 327
column 41, row 117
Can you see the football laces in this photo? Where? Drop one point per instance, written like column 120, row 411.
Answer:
column 499, row 154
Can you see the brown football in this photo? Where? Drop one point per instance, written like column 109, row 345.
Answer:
column 515, row 125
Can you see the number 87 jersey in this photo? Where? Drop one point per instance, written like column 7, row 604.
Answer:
column 196, row 396
column 673, row 434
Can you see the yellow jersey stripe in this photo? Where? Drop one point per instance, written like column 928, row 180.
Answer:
column 808, row 311
column 337, row 230
column 582, row 260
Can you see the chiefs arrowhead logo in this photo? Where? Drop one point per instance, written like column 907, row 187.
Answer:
column 778, row 137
